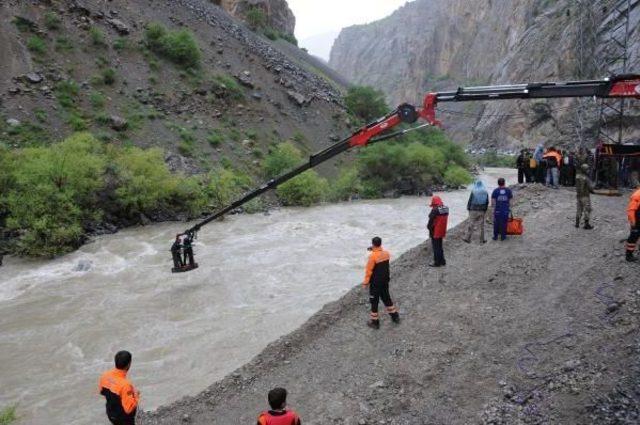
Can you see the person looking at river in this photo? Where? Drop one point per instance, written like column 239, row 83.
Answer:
column 437, row 226
column 377, row 277
column 176, row 248
column 477, row 206
column 278, row 415
column 122, row 398
column 501, row 203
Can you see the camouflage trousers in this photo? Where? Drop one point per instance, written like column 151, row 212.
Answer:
column 583, row 209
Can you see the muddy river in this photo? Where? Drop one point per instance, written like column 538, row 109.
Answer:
column 260, row 276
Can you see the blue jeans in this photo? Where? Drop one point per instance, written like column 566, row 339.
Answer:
column 552, row 177
column 500, row 220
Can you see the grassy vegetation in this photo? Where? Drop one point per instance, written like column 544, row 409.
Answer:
column 227, row 87
column 97, row 37
column 26, row 134
column 215, row 138
column 50, row 201
column 67, row 92
column 8, row 415
column 37, row 45
column 179, row 47
column 64, row 44
column 97, row 99
column 365, row 103
column 493, row 159
column 52, row 21
column 256, row 18
column 121, row 44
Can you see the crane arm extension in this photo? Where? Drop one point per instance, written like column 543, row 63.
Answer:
column 618, row 86
column 404, row 113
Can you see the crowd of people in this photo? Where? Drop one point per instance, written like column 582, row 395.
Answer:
column 122, row 398
column 551, row 167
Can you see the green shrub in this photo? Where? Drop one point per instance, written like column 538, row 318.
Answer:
column 63, row 44
column 121, row 44
column 97, row 100
column 304, row 190
column 40, row 114
column 227, row 87
column 26, row 134
column 67, row 92
column 76, row 122
column 256, row 18
column 8, row 415
column 24, row 25
column 456, row 176
column 283, row 158
column 225, row 185
column 271, row 34
column 52, row 21
column 108, row 76
column 365, row 103
column 37, row 45
column 179, row 46
column 53, row 196
column 97, row 37
column 346, row 185
column 215, row 139
column 290, row 38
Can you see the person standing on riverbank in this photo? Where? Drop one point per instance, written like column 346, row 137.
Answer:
column 477, row 206
column 633, row 213
column 278, row 415
column 377, row 277
column 437, row 225
column 501, row 203
column 538, row 156
column 122, row 398
column 584, row 189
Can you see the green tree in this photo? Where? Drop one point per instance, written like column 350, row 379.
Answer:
column 54, row 194
column 256, row 19
column 456, row 176
column 365, row 103
column 346, row 185
column 283, row 158
column 304, row 190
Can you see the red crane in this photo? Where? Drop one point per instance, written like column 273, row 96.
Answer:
column 620, row 86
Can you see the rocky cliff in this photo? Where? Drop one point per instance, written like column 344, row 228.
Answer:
column 431, row 45
column 277, row 12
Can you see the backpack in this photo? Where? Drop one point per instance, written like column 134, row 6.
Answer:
column 532, row 163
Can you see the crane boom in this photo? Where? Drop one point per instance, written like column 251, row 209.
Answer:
column 624, row 86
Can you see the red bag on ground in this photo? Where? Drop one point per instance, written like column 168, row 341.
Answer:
column 514, row 226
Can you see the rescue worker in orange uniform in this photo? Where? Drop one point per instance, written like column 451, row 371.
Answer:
column 377, row 278
column 122, row 397
column 633, row 214
column 278, row 415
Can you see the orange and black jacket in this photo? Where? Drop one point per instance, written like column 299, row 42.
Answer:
column 377, row 270
column 122, row 398
column 633, row 210
column 279, row 417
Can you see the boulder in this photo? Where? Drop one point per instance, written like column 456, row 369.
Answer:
column 297, row 98
column 119, row 26
column 33, row 78
column 118, row 123
column 12, row 122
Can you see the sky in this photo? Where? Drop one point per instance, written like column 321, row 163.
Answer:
column 318, row 22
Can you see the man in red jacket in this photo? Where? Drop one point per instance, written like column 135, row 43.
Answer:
column 279, row 414
column 437, row 226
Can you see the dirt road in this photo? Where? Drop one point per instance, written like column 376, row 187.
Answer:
column 538, row 329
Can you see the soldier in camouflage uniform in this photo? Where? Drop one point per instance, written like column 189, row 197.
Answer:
column 584, row 188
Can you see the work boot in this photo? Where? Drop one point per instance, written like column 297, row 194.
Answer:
column 374, row 324
column 395, row 317
column 587, row 226
column 434, row 265
column 630, row 258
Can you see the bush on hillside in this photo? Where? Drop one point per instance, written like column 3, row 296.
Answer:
column 366, row 103
column 456, row 176
column 283, row 158
column 180, row 47
column 52, row 196
column 346, row 185
column 8, row 415
column 256, row 18
column 224, row 186
column 304, row 190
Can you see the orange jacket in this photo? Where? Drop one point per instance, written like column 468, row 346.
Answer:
column 285, row 417
column 122, row 397
column 378, row 257
column 555, row 154
column 633, row 210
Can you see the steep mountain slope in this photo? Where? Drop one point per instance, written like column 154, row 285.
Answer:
column 277, row 12
column 246, row 91
column 430, row 45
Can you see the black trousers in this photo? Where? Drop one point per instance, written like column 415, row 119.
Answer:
column 378, row 290
column 521, row 175
column 632, row 242
column 188, row 257
column 438, row 252
column 177, row 261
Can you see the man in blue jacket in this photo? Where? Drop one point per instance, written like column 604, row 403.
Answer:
column 501, row 202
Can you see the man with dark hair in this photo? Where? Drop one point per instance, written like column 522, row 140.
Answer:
column 278, row 415
column 122, row 398
column 377, row 278
column 501, row 203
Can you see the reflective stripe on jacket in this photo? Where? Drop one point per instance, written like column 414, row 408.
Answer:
column 122, row 398
column 377, row 269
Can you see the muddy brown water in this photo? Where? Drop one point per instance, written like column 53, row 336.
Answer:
column 260, row 277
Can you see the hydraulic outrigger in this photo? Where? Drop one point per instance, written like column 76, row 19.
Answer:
column 616, row 86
